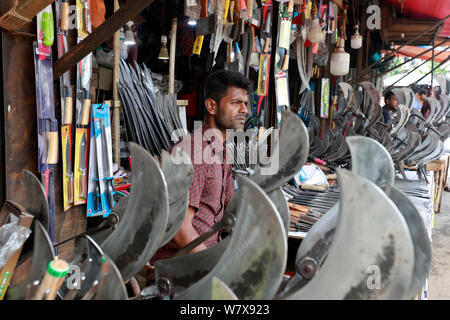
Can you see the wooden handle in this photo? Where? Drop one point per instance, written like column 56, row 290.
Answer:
column 83, row 187
column 266, row 45
column 250, row 10
column 231, row 13
column 230, row 50
column 52, row 155
column 314, row 187
column 290, row 7
column 65, row 16
column 51, row 282
column 70, row 190
column 68, row 104
column 86, row 112
column 285, row 62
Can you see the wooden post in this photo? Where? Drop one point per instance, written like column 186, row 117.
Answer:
column 116, row 100
column 173, row 44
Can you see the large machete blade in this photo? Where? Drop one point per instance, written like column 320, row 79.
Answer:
column 43, row 253
column 379, row 238
column 179, row 178
column 220, row 291
column 290, row 153
column 278, row 199
column 111, row 285
column 258, row 237
column 36, row 200
column 138, row 236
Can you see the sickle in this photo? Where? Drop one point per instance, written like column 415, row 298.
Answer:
column 429, row 148
column 179, row 178
column 433, row 155
column 290, row 153
column 136, row 239
column 409, row 97
column 379, row 237
column 278, row 199
column 413, row 142
column 220, row 290
column 257, row 237
column 43, row 253
column 36, row 200
column 404, row 117
column 111, row 285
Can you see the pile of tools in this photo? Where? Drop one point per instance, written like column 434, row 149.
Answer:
column 410, row 138
column 250, row 262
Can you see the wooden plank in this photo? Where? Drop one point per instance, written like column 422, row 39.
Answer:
column 435, row 165
column 17, row 13
column 119, row 18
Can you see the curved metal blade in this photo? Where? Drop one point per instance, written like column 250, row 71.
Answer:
column 111, row 285
column 257, row 237
column 220, row 291
column 346, row 89
column 179, row 178
column 184, row 271
column 429, row 148
column 399, row 93
column 433, row 155
column 379, row 240
column 89, row 253
column 409, row 97
column 36, row 200
column 413, row 142
column 443, row 83
column 404, row 117
column 278, row 199
column 371, row 160
column 444, row 101
column 420, row 239
column 290, row 153
column 43, row 253
column 138, row 236
column 435, row 107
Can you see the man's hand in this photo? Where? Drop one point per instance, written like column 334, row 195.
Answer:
column 187, row 233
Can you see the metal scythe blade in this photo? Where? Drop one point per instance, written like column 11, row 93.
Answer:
column 409, row 97
column 184, row 271
column 379, row 237
column 419, row 236
column 413, row 142
column 444, row 107
column 138, row 236
column 291, row 150
column 435, row 107
column 111, row 285
column 43, row 253
column 429, row 148
column 433, row 155
column 179, row 178
column 36, row 200
column 278, row 199
column 258, row 237
column 404, row 117
column 88, row 252
column 220, row 291
column 346, row 89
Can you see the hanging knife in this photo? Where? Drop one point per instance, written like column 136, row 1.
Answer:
column 106, row 166
column 82, row 168
column 69, row 172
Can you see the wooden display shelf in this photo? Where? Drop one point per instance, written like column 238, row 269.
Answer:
column 440, row 169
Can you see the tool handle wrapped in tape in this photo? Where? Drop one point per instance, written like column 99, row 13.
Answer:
column 12, row 237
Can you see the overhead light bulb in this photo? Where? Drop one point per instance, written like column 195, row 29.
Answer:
column 192, row 22
column 163, row 53
column 315, row 34
column 129, row 35
column 340, row 61
column 356, row 41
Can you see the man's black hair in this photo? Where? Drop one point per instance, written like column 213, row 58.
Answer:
column 217, row 84
column 388, row 95
column 422, row 91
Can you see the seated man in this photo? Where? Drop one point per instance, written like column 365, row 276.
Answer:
column 419, row 99
column 390, row 107
column 226, row 99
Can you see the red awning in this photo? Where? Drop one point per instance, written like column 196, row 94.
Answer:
column 412, row 51
column 427, row 9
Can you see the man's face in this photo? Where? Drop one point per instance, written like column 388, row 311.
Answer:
column 232, row 109
column 422, row 97
column 392, row 102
